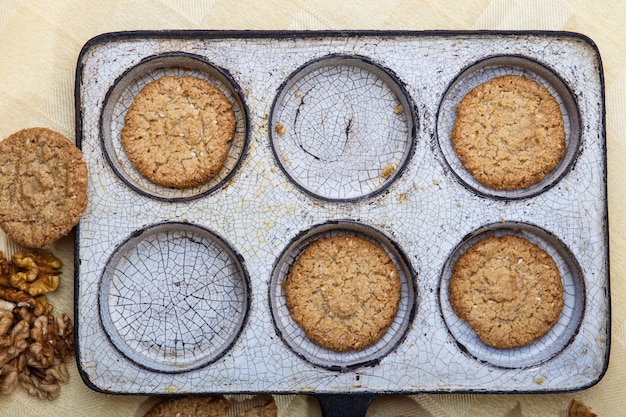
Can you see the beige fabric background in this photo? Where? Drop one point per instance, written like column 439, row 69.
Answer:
column 39, row 44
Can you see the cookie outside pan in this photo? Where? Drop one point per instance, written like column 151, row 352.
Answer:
column 343, row 291
column 190, row 407
column 177, row 131
column 509, row 133
column 43, row 186
column 508, row 290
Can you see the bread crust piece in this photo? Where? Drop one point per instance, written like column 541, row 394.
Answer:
column 177, row 131
column 509, row 133
column 190, row 407
column 508, row 290
column 43, row 186
column 344, row 292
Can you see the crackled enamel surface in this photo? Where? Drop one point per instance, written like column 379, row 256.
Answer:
column 173, row 298
column 339, row 128
column 258, row 211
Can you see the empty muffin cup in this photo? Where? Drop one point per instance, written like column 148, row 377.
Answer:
column 173, row 297
column 342, row 127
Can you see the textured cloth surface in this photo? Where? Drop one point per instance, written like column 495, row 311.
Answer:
column 39, row 45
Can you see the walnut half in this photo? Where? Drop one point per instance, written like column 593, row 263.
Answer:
column 37, row 273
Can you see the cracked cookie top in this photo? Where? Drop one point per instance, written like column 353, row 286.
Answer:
column 343, row 291
column 43, row 186
column 177, row 131
column 508, row 290
column 509, row 133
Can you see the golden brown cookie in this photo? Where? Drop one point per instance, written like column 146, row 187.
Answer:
column 43, row 186
column 508, row 290
column 177, row 131
column 509, row 133
column 343, row 292
column 190, row 407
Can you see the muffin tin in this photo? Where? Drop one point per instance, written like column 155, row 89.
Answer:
column 179, row 291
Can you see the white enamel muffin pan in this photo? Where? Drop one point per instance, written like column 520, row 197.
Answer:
column 179, row 291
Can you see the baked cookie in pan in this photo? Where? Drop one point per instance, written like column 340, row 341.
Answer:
column 508, row 290
column 509, row 133
column 177, row 131
column 343, row 291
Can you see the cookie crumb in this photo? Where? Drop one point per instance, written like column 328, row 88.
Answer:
column 398, row 109
column 280, row 129
column 388, row 170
